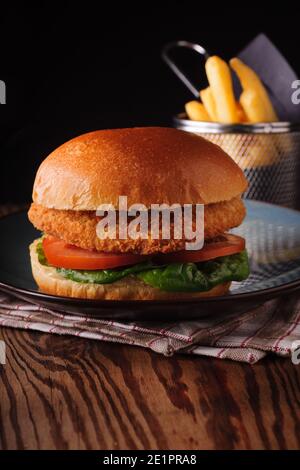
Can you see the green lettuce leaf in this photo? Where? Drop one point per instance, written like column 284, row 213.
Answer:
column 105, row 276
column 191, row 277
column 175, row 277
column 40, row 252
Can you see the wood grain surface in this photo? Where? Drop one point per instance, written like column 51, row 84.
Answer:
column 70, row 393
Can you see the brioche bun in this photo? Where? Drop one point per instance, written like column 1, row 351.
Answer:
column 151, row 165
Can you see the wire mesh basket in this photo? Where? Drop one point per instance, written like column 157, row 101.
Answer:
column 268, row 153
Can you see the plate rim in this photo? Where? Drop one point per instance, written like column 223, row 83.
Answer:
column 267, row 293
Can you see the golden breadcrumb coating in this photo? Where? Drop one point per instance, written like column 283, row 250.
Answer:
column 79, row 228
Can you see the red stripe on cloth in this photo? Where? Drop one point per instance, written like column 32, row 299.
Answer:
column 220, row 353
column 257, row 331
column 228, row 333
column 287, row 333
column 129, row 340
column 251, row 358
column 32, row 316
column 244, row 319
column 165, row 332
column 149, row 343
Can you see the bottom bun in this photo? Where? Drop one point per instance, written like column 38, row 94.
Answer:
column 129, row 288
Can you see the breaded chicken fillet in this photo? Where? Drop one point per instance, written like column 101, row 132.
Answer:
column 79, row 228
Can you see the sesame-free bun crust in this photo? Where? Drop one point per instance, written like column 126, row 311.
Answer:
column 148, row 165
column 129, row 288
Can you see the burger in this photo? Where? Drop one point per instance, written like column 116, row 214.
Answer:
column 151, row 165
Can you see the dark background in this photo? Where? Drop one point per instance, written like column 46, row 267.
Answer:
column 70, row 69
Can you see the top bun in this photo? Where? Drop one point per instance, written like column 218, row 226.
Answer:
column 148, row 165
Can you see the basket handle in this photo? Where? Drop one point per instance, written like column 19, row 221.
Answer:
column 179, row 73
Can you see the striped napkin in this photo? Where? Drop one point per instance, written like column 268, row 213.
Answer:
column 271, row 328
column 274, row 327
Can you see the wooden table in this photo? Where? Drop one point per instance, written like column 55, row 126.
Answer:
column 70, row 393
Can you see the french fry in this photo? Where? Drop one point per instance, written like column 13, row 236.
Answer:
column 240, row 112
column 209, row 103
column 220, row 81
column 196, row 111
column 254, row 98
column 254, row 109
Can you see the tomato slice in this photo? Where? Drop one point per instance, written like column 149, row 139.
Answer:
column 63, row 255
column 228, row 245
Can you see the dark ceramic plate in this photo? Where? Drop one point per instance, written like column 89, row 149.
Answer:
column 273, row 240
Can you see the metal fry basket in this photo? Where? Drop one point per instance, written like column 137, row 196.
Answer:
column 268, row 153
